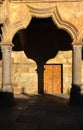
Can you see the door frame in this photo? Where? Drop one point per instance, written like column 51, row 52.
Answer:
column 61, row 74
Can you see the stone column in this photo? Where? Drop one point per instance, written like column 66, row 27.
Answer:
column 75, row 94
column 6, row 67
column 76, row 65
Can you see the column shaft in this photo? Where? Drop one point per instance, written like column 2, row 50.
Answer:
column 6, row 68
column 76, row 65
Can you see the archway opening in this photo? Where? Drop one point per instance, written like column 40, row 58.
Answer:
column 41, row 41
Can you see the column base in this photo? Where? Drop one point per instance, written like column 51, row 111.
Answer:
column 75, row 90
column 6, row 95
column 76, row 98
column 82, row 89
column 6, row 99
column 6, row 87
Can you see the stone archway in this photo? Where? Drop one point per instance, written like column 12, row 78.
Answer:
column 41, row 45
column 18, row 15
column 11, row 29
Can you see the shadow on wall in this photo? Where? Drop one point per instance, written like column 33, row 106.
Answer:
column 41, row 41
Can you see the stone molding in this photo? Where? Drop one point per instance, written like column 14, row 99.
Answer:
column 10, row 30
column 26, row 1
column 55, row 15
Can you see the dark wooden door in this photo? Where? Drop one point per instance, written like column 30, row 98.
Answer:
column 52, row 79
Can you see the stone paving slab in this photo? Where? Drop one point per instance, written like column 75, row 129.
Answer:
column 35, row 112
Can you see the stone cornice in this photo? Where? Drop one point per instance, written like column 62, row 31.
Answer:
column 39, row 1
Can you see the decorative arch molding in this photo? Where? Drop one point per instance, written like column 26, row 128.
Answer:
column 55, row 15
column 65, row 25
column 9, row 30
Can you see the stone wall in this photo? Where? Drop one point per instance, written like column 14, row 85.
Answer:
column 24, row 74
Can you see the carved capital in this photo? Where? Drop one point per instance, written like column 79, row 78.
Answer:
column 77, row 47
column 6, row 48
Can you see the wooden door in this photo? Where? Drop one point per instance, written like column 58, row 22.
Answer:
column 52, row 79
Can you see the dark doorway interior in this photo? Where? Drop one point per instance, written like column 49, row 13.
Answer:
column 41, row 40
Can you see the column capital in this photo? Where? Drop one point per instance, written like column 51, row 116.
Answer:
column 77, row 43
column 5, row 47
column 6, row 43
column 77, row 47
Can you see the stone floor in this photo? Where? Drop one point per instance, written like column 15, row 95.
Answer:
column 41, row 112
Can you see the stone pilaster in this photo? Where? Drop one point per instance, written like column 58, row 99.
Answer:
column 6, row 67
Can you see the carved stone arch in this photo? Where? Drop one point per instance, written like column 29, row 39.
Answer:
column 54, row 14
column 65, row 25
column 9, row 30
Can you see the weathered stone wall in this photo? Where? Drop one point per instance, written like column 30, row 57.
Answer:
column 24, row 74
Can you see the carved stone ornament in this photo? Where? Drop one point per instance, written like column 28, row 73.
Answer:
column 1, row 2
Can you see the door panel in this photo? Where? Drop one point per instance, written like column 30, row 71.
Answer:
column 52, row 79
